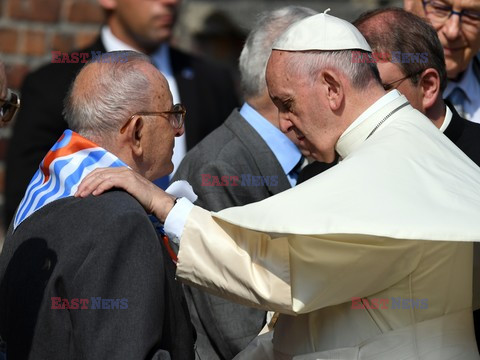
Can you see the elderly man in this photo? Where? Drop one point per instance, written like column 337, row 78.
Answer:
column 370, row 259
column 89, row 278
column 405, row 37
column 207, row 90
column 457, row 23
column 246, row 159
column 9, row 101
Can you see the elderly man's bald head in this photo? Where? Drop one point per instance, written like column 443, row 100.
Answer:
column 107, row 92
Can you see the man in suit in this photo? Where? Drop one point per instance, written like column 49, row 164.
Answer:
column 422, row 79
column 254, row 160
column 90, row 279
column 457, row 24
column 143, row 25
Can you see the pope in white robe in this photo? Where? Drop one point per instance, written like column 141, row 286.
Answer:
column 362, row 230
column 358, row 230
column 371, row 259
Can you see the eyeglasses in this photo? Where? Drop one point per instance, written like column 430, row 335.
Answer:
column 439, row 12
column 9, row 106
column 390, row 86
column 176, row 116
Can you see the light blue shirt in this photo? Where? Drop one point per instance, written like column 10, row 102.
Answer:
column 286, row 152
column 470, row 107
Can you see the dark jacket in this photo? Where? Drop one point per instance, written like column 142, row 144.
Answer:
column 103, row 249
column 465, row 134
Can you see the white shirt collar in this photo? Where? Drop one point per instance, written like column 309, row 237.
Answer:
column 355, row 134
column 447, row 120
column 111, row 42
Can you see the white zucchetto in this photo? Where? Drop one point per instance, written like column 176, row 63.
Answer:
column 321, row 32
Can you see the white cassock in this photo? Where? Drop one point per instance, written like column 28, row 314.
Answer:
column 356, row 230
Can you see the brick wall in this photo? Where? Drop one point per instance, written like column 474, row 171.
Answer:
column 29, row 31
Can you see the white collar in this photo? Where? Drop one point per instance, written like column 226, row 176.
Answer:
column 359, row 130
column 111, row 42
column 160, row 57
column 447, row 120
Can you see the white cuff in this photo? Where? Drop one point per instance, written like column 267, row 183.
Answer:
column 175, row 221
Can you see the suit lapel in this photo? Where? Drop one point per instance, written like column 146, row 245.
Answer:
column 261, row 155
column 456, row 126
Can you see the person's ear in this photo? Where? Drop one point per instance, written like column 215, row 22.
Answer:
column 333, row 87
column 132, row 136
column 108, row 4
column 429, row 83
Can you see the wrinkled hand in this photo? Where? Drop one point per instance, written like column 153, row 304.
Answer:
column 414, row 6
column 153, row 199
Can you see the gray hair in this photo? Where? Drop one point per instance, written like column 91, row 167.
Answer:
column 309, row 63
column 111, row 98
column 258, row 46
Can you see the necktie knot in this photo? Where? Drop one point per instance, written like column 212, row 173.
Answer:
column 458, row 98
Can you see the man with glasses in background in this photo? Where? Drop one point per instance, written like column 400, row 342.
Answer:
column 91, row 279
column 393, row 30
column 9, row 101
column 457, row 24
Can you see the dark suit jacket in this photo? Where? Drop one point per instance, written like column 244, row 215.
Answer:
column 234, row 149
column 88, row 248
column 206, row 90
column 465, row 134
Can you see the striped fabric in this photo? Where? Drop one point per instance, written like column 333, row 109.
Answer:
column 61, row 171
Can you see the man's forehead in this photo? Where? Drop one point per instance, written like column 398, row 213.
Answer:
column 464, row 4
column 277, row 57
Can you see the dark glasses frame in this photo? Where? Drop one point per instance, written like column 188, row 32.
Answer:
column 176, row 121
column 9, row 107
